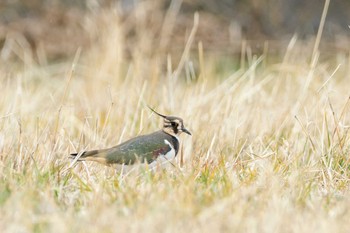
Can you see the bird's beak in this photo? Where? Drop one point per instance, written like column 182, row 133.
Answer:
column 186, row 131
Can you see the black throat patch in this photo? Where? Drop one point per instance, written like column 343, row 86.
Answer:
column 175, row 143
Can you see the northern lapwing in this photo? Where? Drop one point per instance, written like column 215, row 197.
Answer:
column 160, row 146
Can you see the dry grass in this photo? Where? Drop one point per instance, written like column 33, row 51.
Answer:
column 269, row 151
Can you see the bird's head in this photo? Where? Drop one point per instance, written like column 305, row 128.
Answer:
column 172, row 125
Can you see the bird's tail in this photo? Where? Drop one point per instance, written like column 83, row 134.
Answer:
column 92, row 155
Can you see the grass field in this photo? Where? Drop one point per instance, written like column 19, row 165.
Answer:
column 269, row 151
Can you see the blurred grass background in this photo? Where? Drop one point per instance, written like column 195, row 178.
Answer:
column 263, row 91
column 56, row 28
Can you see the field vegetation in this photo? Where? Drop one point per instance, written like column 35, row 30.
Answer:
column 269, row 151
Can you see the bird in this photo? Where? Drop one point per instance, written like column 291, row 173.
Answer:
column 160, row 146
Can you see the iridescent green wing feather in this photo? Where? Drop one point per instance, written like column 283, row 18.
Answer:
column 144, row 148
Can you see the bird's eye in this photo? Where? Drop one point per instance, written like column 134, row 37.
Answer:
column 173, row 124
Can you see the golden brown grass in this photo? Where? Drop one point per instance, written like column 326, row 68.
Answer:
column 269, row 151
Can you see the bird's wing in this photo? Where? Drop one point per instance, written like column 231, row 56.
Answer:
column 144, row 148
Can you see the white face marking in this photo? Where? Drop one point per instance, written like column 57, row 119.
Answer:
column 179, row 125
column 173, row 127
